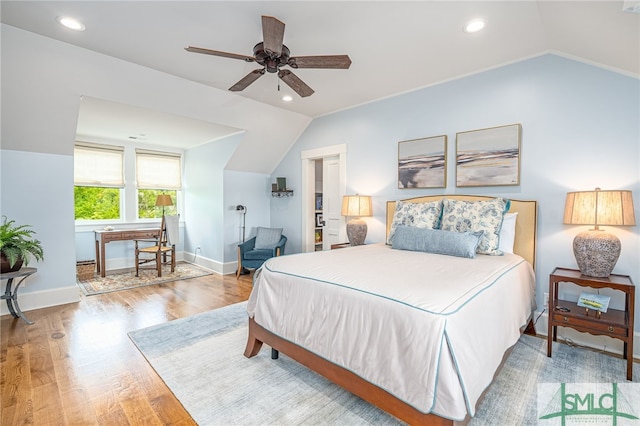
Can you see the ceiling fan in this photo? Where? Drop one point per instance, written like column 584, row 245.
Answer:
column 273, row 55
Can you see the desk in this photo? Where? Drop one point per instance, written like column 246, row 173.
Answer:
column 11, row 296
column 103, row 237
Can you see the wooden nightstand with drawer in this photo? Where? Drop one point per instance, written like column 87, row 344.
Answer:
column 613, row 323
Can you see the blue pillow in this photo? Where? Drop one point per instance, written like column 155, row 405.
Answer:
column 460, row 244
column 267, row 238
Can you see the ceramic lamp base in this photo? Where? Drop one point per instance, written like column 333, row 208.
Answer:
column 356, row 231
column 596, row 252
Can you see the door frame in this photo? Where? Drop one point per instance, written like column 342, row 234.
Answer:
column 308, row 158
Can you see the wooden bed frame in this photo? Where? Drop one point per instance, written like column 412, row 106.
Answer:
column 525, row 246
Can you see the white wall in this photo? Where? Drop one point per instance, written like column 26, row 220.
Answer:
column 42, row 83
column 581, row 130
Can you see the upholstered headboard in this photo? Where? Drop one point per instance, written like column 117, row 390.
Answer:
column 526, row 223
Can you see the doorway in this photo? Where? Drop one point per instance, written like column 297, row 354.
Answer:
column 324, row 185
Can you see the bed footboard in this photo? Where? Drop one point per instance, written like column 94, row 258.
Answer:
column 340, row 376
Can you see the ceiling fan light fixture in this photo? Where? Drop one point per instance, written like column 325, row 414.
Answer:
column 474, row 26
column 287, row 98
column 71, row 23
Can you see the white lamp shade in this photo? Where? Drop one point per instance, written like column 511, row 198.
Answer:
column 599, row 208
column 356, row 205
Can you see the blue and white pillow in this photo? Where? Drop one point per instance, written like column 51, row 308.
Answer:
column 419, row 215
column 474, row 216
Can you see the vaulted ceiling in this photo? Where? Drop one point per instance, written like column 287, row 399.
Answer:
column 394, row 46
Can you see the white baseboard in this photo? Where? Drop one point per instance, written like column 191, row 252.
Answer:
column 71, row 294
column 605, row 343
column 44, row 299
column 226, row 268
column 214, row 265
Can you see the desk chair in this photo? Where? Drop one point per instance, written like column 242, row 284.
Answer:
column 161, row 247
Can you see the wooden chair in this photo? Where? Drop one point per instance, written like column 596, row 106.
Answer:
column 161, row 248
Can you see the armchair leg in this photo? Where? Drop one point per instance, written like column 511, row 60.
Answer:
column 241, row 269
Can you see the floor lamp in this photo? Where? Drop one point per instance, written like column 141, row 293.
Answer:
column 243, row 209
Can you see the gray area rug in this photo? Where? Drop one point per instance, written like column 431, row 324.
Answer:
column 201, row 360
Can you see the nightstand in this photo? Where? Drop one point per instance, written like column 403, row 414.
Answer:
column 340, row 245
column 614, row 323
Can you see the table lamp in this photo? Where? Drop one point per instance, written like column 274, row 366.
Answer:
column 596, row 250
column 163, row 200
column 356, row 206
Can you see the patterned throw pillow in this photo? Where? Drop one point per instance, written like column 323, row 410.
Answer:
column 419, row 215
column 473, row 216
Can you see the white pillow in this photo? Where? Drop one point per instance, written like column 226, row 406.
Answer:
column 508, row 232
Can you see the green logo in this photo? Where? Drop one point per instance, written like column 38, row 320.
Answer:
column 586, row 403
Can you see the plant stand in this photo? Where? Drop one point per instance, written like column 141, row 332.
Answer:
column 11, row 295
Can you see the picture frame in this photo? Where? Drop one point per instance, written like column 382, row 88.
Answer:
column 282, row 183
column 489, row 157
column 318, row 220
column 422, row 163
column 318, row 202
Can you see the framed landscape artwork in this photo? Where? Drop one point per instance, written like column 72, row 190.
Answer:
column 422, row 163
column 488, row 157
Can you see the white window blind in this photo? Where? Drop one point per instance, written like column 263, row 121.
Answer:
column 98, row 165
column 158, row 170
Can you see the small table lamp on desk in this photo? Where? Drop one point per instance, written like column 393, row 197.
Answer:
column 163, row 200
column 356, row 206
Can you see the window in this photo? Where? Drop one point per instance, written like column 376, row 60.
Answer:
column 157, row 173
column 99, row 179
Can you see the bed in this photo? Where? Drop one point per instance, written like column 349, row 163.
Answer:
column 405, row 330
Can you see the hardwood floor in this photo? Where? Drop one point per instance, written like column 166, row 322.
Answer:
column 77, row 366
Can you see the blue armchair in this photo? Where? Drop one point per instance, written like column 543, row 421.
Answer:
column 251, row 257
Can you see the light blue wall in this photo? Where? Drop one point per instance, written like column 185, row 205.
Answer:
column 37, row 190
column 204, row 195
column 581, row 130
column 253, row 191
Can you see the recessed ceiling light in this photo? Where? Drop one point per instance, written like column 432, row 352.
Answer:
column 71, row 23
column 474, row 26
column 287, row 98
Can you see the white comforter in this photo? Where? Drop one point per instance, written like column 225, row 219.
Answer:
column 430, row 329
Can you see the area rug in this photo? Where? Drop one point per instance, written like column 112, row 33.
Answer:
column 128, row 280
column 201, row 360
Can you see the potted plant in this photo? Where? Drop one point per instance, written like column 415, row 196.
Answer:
column 17, row 245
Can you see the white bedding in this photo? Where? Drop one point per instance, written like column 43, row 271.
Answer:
column 430, row 329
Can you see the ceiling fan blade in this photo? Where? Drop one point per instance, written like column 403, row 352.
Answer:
column 272, row 35
column 331, row 61
column 247, row 80
column 218, row 53
column 299, row 86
